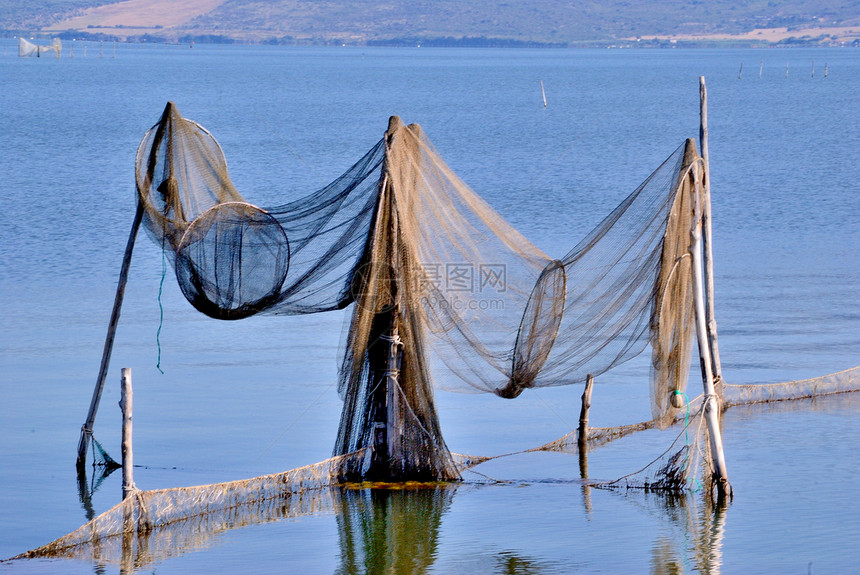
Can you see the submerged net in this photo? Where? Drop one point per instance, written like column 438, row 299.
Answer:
column 437, row 278
column 401, row 519
column 840, row 382
column 685, row 465
column 101, row 458
column 187, row 511
column 153, row 525
column 679, row 468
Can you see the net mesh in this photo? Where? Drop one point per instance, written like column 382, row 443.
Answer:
column 437, row 278
column 28, row 49
column 682, row 467
column 153, row 525
column 840, row 382
column 192, row 510
column 101, row 458
column 686, row 465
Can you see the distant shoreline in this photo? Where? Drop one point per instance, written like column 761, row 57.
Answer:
column 848, row 36
column 494, row 23
column 831, row 34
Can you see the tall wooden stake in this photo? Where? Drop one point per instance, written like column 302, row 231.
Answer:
column 582, row 433
column 711, row 407
column 125, row 403
column 87, row 428
column 707, row 236
column 394, row 413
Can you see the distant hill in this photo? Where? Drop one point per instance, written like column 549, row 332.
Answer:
column 440, row 22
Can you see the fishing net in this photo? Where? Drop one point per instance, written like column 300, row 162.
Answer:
column 437, row 278
column 154, row 525
column 679, row 468
column 686, row 465
column 28, row 49
column 232, row 258
column 382, row 527
column 840, row 382
column 101, row 458
column 175, row 517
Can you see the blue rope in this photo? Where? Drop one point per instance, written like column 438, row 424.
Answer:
column 160, row 307
column 697, row 485
column 686, row 416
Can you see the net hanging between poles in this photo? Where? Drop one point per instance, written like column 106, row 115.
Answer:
column 30, row 50
column 418, row 252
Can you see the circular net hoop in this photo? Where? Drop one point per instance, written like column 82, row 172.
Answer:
column 232, row 261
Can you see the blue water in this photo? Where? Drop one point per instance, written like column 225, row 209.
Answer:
column 239, row 399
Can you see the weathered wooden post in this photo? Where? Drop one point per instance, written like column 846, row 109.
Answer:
column 582, row 432
column 707, row 235
column 711, row 402
column 125, row 403
column 128, row 526
column 87, row 427
column 393, row 410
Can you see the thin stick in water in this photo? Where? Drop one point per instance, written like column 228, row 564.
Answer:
column 125, row 403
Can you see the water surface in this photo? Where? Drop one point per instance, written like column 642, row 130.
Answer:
column 239, row 399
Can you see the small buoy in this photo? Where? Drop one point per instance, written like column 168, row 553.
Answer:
column 677, row 399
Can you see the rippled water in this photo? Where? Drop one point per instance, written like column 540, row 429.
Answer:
column 239, row 399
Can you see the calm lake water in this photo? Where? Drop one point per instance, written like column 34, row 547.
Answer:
column 240, row 399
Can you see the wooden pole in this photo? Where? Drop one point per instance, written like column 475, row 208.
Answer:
column 582, row 433
column 87, row 428
column 711, row 404
column 394, row 412
column 125, row 404
column 707, row 235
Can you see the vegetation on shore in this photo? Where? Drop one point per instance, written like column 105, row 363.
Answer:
column 542, row 23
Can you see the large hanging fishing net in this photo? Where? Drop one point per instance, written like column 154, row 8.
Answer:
column 437, row 278
column 28, row 49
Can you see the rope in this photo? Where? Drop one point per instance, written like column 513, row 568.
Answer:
column 160, row 307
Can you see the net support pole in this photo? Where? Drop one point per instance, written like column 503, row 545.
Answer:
column 393, row 411
column 582, row 433
column 87, row 428
column 125, row 404
column 707, row 235
column 711, row 402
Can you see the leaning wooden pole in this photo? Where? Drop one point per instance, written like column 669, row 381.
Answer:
column 87, row 427
column 711, row 402
column 707, row 235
